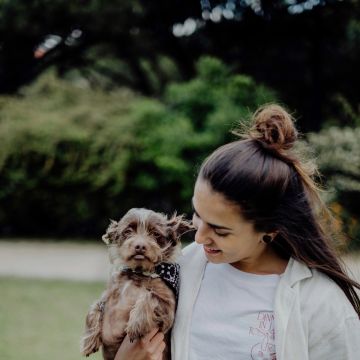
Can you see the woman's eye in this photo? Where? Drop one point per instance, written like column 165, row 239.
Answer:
column 221, row 234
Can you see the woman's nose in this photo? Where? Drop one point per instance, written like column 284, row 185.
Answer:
column 202, row 234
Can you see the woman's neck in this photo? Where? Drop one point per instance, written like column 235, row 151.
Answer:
column 269, row 262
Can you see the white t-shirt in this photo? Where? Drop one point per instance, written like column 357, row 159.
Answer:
column 233, row 316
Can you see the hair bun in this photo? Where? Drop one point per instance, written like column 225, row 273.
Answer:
column 274, row 127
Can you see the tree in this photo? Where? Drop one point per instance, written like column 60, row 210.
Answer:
column 308, row 57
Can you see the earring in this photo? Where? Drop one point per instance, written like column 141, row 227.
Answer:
column 267, row 239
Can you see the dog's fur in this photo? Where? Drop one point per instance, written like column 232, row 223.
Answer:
column 134, row 304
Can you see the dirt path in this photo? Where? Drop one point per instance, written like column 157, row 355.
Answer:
column 73, row 261
column 54, row 260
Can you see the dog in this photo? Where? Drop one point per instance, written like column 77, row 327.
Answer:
column 141, row 294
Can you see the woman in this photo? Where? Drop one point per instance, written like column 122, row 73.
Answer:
column 262, row 280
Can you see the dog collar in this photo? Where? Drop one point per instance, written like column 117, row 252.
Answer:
column 168, row 272
column 127, row 269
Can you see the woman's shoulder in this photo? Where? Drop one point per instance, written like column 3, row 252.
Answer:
column 191, row 255
column 321, row 294
column 189, row 251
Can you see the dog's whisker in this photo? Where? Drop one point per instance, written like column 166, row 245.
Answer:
column 187, row 231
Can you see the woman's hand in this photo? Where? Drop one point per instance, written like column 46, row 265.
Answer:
column 150, row 347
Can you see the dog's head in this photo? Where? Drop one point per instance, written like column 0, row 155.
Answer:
column 143, row 238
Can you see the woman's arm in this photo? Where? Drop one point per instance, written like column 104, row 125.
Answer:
column 150, row 347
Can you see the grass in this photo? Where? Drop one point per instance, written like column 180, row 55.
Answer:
column 44, row 319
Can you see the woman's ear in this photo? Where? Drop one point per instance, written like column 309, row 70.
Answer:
column 177, row 226
column 269, row 237
column 111, row 233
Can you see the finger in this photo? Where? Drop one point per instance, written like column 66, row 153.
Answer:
column 150, row 335
column 155, row 342
column 158, row 337
column 157, row 355
column 127, row 341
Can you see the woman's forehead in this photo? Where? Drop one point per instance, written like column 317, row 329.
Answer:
column 207, row 202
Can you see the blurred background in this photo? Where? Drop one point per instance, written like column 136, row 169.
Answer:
column 106, row 106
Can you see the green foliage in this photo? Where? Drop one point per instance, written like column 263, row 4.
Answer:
column 58, row 125
column 338, row 156
column 130, row 43
column 342, row 113
column 73, row 156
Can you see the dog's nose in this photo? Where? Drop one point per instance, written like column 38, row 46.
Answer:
column 140, row 248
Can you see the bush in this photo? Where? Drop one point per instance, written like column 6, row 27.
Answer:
column 338, row 152
column 72, row 157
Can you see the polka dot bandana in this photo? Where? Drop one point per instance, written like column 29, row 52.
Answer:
column 170, row 274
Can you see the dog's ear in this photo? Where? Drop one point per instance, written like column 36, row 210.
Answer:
column 111, row 234
column 177, row 226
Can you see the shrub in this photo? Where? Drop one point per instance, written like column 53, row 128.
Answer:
column 72, row 156
column 338, row 156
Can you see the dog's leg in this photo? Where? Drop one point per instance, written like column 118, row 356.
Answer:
column 109, row 352
column 91, row 340
column 165, row 314
column 142, row 317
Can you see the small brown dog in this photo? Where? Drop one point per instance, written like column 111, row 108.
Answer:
column 141, row 294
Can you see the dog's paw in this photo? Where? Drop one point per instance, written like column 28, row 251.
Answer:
column 136, row 331
column 90, row 345
column 89, row 351
column 134, row 335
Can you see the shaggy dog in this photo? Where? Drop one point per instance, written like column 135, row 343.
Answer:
column 141, row 294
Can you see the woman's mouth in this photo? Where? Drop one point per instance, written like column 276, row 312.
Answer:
column 211, row 251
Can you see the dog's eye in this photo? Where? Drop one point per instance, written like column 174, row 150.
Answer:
column 128, row 231
column 160, row 239
column 156, row 234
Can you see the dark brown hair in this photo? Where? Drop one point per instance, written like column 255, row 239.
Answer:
column 275, row 190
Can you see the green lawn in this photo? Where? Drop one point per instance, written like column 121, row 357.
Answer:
column 44, row 319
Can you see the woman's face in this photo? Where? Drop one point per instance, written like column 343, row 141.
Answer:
column 224, row 233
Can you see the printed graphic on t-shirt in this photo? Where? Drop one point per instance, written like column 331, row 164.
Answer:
column 264, row 332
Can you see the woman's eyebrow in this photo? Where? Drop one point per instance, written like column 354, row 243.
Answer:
column 211, row 225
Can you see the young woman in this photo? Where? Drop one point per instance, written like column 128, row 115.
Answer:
column 262, row 280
